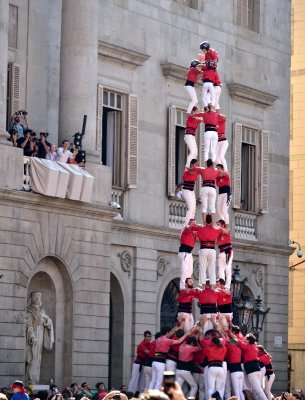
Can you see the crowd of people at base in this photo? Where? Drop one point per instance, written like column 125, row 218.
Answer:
column 25, row 138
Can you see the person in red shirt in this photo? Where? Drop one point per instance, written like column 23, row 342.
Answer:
column 190, row 176
column 173, row 352
column 163, row 345
column 224, row 304
column 207, row 235
column 187, row 243
column 207, row 299
column 184, row 366
column 198, row 372
column 142, row 353
column 222, row 144
column 269, row 377
column 225, row 257
column 185, row 304
column 149, row 360
column 224, row 196
column 233, row 358
column 192, row 122
column 210, row 137
column 191, row 78
column 209, row 175
column 211, row 86
column 208, row 52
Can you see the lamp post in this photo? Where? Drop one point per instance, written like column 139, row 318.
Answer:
column 245, row 311
column 258, row 316
column 237, row 284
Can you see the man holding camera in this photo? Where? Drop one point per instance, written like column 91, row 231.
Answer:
column 43, row 145
column 27, row 143
column 16, row 123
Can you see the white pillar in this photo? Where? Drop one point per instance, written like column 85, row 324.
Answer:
column 78, row 80
column 4, row 16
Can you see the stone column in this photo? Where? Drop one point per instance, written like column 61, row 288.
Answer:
column 4, row 16
column 78, row 81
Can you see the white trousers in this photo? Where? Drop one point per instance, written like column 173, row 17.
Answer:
column 193, row 96
column 224, row 269
column 217, row 91
column 208, row 199
column 190, row 141
column 199, row 379
column 158, row 369
column 237, row 379
column 228, row 386
column 186, row 260
column 216, row 380
column 256, row 387
column 207, row 263
column 190, row 199
column 263, row 373
column 268, row 386
column 222, row 207
column 188, row 320
column 133, row 385
column 210, row 139
column 225, row 369
column 206, row 381
column 147, row 375
column 208, row 324
column 170, row 365
column 208, row 94
column 186, row 376
column 221, row 149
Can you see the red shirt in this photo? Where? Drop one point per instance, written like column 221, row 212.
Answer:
column 233, row 353
column 265, row 358
column 208, row 296
column 211, row 54
column 141, row 355
column 209, row 176
column 186, row 352
column 224, row 298
column 224, row 180
column 221, row 130
column 224, row 238
column 152, row 349
column 173, row 352
column 208, row 235
column 210, row 118
column 185, row 297
column 163, row 344
column 215, row 353
column 188, row 236
column 192, row 123
column 190, row 176
column 249, row 351
column 199, row 357
column 211, row 75
column 192, row 74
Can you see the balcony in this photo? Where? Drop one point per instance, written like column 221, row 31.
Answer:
column 245, row 226
column 177, row 212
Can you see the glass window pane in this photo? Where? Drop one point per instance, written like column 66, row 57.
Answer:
column 112, row 100
column 119, row 101
column 105, row 98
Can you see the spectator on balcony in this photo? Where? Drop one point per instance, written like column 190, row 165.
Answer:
column 17, row 125
column 178, row 192
column 43, row 145
column 52, row 154
column 63, row 153
column 13, row 136
column 27, row 143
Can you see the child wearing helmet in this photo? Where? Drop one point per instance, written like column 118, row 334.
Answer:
column 191, row 78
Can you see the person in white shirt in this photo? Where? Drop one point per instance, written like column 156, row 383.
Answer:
column 51, row 154
column 63, row 154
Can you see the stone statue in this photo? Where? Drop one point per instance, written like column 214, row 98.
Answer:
column 39, row 335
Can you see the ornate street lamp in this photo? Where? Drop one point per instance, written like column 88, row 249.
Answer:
column 258, row 316
column 245, row 311
column 237, row 284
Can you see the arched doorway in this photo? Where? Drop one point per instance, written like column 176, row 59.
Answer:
column 51, row 278
column 116, row 334
column 169, row 304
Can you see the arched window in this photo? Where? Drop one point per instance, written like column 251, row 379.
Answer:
column 169, row 304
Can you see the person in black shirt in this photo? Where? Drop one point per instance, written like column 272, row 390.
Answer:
column 27, row 143
column 43, row 145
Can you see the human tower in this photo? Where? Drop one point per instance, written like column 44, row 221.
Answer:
column 212, row 358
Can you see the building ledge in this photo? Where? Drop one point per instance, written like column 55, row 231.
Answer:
column 173, row 71
column 121, row 55
column 247, row 94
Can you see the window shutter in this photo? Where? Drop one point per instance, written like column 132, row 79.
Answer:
column 99, row 120
column 13, row 88
column 200, row 144
column 236, row 165
column 264, row 171
column 171, row 151
column 132, row 169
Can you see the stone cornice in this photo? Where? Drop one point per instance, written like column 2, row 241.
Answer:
column 173, row 71
column 121, row 55
column 61, row 206
column 247, row 94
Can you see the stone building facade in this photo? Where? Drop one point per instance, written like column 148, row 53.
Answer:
column 106, row 275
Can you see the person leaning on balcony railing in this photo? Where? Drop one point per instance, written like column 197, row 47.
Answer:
column 51, row 154
column 27, row 143
column 63, row 153
column 43, row 145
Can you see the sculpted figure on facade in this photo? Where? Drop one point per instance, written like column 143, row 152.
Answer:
column 39, row 335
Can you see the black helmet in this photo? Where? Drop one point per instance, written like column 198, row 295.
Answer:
column 194, row 63
column 205, row 45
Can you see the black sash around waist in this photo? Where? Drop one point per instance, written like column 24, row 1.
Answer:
column 225, row 308
column 185, row 307
column 172, row 355
column 160, row 357
column 251, row 366
column 189, row 185
column 207, row 244
column 215, row 363
column 210, row 127
column 189, row 83
column 208, row 308
column 224, row 189
column 225, row 246
column 209, row 183
column 222, row 140
column 184, row 365
column 234, row 367
column 184, row 248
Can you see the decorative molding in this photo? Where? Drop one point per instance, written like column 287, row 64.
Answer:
column 161, row 265
column 247, row 94
column 126, row 261
column 174, row 72
column 196, row 270
column 259, row 277
column 121, row 55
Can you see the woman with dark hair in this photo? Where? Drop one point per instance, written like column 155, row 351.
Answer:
column 251, row 364
column 233, row 358
column 215, row 353
column 269, row 377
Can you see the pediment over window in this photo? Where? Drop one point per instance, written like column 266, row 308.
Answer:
column 245, row 93
column 121, row 55
column 173, row 71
